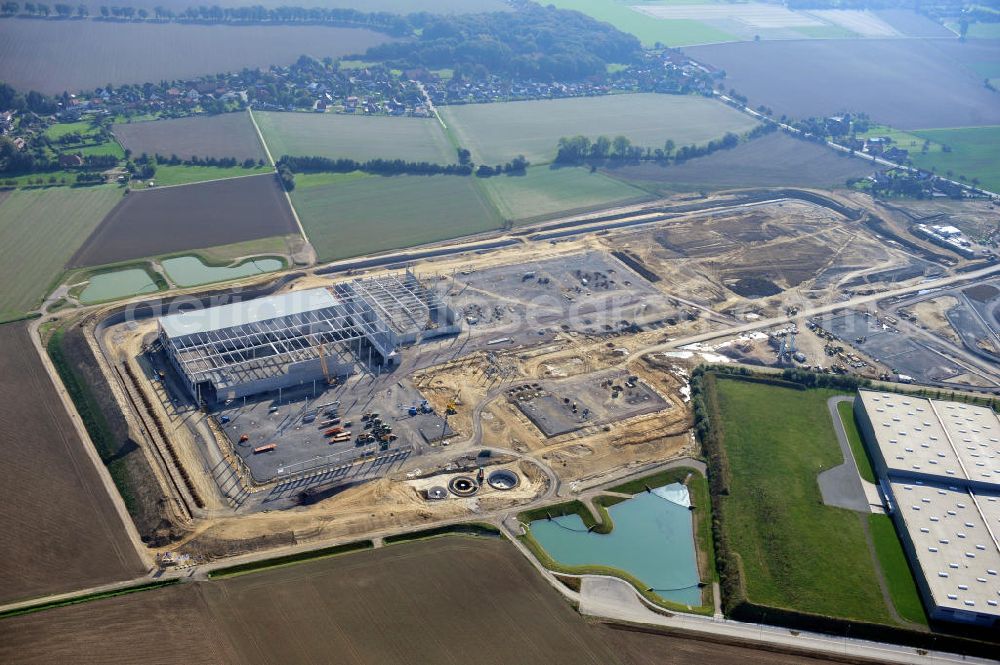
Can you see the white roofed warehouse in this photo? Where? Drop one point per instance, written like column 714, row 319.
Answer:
column 297, row 338
column 938, row 465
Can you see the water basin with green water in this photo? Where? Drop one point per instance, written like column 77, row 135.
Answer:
column 117, row 284
column 191, row 271
column 652, row 539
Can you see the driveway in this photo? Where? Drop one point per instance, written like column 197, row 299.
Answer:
column 842, row 486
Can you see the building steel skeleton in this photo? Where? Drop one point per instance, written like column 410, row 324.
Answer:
column 276, row 342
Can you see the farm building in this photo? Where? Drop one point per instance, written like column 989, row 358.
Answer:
column 301, row 337
column 938, row 465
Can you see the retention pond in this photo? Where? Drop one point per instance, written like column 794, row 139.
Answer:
column 117, row 284
column 652, row 539
column 191, row 271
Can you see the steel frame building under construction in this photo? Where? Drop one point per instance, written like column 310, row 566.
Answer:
column 301, row 337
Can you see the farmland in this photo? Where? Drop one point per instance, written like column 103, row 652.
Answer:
column 168, row 176
column 61, row 530
column 774, row 505
column 496, row 133
column 175, row 219
column 53, row 56
column 625, row 18
column 226, row 135
column 545, row 191
column 959, row 153
column 355, row 137
column 702, row 22
column 394, row 6
column 347, row 215
column 975, row 153
column 775, row 160
column 637, row 646
column 39, row 231
column 916, row 83
column 436, row 601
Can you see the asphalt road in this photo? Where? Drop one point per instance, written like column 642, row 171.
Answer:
column 841, row 485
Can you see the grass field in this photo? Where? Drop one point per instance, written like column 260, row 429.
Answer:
column 898, row 576
column 61, row 129
column 185, row 175
column 496, row 133
column 224, row 135
column 90, row 144
column 346, row 215
column 649, row 31
column 794, row 549
column 39, row 231
column 544, row 191
column 356, row 137
column 975, row 153
column 225, row 254
column 846, row 410
column 442, row 600
column 900, row 138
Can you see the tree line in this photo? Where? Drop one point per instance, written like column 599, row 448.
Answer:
column 375, row 166
column 464, row 167
column 194, row 160
column 582, row 149
column 392, row 24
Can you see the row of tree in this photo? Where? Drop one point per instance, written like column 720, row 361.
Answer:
column 62, row 10
column 395, row 25
column 580, row 149
column 194, row 160
column 376, row 166
column 516, row 166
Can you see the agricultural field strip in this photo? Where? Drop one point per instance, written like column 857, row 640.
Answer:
column 220, row 136
column 395, row 212
column 57, row 56
column 496, row 133
column 360, row 138
column 178, row 219
column 39, row 232
column 820, row 77
column 61, row 525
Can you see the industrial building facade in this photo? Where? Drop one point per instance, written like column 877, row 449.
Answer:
column 938, row 465
column 301, row 337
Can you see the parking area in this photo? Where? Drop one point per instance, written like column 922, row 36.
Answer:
column 279, row 436
column 559, row 407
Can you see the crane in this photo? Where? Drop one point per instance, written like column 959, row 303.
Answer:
column 322, row 363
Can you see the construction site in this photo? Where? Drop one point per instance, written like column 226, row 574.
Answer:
column 384, row 394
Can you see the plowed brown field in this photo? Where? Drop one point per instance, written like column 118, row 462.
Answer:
column 59, row 530
column 175, row 219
